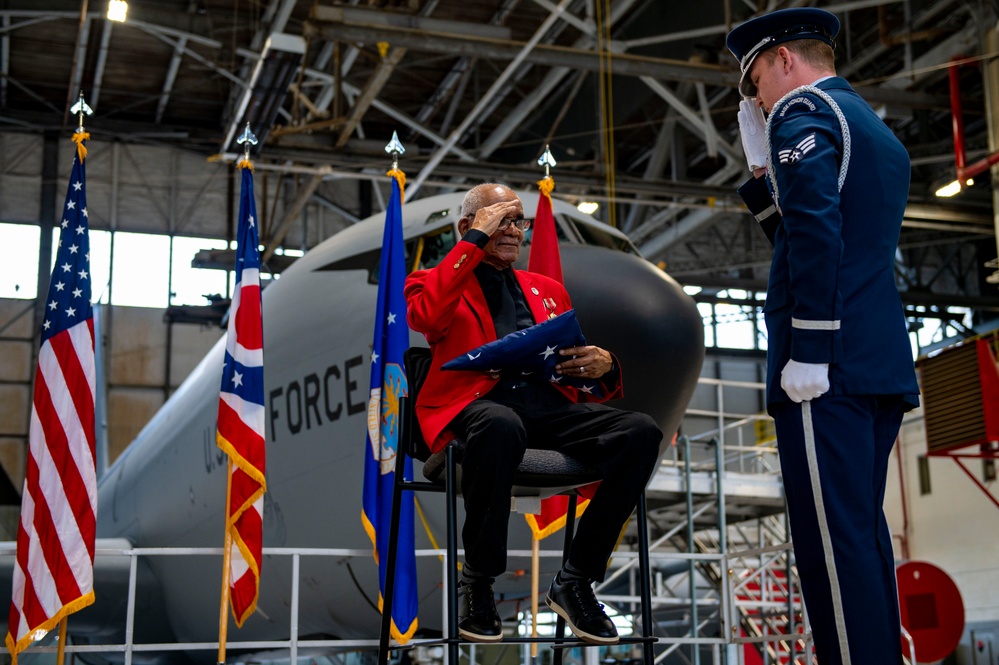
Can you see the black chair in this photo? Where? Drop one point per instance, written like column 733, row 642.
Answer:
column 541, row 471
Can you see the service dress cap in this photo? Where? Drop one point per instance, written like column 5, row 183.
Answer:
column 747, row 40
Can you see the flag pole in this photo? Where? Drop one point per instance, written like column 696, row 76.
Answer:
column 81, row 109
column 535, row 578
column 247, row 139
column 547, row 161
column 226, row 560
column 61, row 651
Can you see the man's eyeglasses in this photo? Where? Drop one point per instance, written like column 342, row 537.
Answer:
column 522, row 224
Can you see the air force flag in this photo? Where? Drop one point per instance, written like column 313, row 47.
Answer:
column 388, row 385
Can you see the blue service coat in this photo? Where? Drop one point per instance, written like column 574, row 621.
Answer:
column 832, row 297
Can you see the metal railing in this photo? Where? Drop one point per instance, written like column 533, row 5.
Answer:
column 750, row 601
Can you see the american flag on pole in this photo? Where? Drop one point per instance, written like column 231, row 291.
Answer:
column 54, row 570
column 241, row 412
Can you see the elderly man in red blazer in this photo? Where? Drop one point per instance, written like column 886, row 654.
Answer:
column 472, row 297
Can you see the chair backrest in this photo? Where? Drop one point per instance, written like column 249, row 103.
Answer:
column 416, row 360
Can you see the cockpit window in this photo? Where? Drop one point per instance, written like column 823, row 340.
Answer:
column 596, row 236
column 559, row 231
column 435, row 217
column 428, row 250
column 424, row 252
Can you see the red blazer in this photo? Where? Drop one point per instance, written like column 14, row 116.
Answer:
column 447, row 305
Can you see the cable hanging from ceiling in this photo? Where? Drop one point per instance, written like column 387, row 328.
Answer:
column 606, row 104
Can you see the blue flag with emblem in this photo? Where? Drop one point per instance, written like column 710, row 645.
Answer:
column 388, row 385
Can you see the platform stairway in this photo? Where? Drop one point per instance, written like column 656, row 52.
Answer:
column 722, row 539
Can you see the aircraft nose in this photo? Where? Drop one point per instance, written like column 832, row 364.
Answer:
column 631, row 308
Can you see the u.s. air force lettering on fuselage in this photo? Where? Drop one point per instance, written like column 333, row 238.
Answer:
column 316, row 399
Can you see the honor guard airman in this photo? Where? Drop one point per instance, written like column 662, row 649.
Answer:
column 830, row 190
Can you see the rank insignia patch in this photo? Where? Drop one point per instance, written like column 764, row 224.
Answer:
column 795, row 154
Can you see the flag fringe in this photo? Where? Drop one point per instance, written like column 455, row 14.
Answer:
column 399, row 636
column 78, row 139
column 242, row 509
column 542, row 533
column 546, row 186
column 400, row 177
column 252, row 564
column 241, row 463
column 50, row 623
column 245, row 164
column 372, row 533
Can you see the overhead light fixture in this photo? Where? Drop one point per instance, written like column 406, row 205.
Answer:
column 261, row 100
column 587, row 207
column 117, row 10
column 950, row 189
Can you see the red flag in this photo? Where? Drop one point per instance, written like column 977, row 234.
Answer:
column 241, row 412
column 54, row 570
column 545, row 260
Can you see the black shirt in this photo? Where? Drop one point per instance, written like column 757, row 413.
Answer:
column 505, row 298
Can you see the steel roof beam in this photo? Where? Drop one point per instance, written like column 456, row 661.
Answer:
column 700, row 123
column 102, row 58
column 858, row 61
column 576, row 58
column 4, row 60
column 721, row 29
column 178, row 54
column 382, row 72
column 518, row 75
column 516, row 117
column 547, row 54
column 497, row 85
column 79, row 60
column 458, row 70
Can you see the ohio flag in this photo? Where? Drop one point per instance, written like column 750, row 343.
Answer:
column 54, row 567
column 388, row 385
column 241, row 412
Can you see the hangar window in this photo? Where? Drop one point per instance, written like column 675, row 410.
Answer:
column 924, row 475
column 19, row 269
column 140, row 274
column 192, row 286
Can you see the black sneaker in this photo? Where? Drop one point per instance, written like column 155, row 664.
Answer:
column 574, row 601
column 478, row 620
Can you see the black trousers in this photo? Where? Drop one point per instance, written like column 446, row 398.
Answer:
column 622, row 445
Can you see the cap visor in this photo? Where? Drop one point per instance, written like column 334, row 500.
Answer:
column 746, row 87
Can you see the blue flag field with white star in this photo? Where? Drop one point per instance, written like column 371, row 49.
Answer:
column 388, row 385
column 531, row 351
column 70, row 290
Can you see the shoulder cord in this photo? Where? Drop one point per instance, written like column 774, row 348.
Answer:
column 844, row 129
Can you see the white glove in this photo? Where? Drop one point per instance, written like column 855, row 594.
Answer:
column 753, row 128
column 804, row 381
